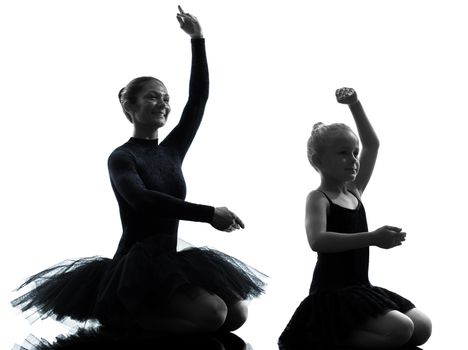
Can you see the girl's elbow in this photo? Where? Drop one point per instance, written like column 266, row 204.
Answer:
column 372, row 145
column 314, row 244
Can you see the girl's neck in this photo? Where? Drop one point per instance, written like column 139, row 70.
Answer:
column 331, row 185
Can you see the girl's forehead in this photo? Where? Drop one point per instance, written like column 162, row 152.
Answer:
column 344, row 139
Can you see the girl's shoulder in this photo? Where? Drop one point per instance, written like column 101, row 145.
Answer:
column 318, row 199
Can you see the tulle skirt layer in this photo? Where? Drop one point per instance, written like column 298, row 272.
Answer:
column 326, row 316
column 97, row 339
column 110, row 290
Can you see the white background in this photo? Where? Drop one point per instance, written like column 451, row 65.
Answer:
column 274, row 67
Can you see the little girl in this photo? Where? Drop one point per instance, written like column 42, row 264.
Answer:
column 343, row 307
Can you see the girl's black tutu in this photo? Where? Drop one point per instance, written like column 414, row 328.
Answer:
column 326, row 316
column 113, row 291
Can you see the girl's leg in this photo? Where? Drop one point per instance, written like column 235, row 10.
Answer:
column 388, row 331
column 236, row 315
column 192, row 310
column 422, row 327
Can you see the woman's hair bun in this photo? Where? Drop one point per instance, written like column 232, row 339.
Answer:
column 121, row 93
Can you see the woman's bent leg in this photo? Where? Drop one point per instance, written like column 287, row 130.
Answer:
column 192, row 310
column 236, row 315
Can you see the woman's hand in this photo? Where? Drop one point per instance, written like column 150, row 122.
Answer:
column 346, row 96
column 189, row 24
column 226, row 220
column 388, row 237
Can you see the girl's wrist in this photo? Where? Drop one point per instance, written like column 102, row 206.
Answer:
column 354, row 103
column 372, row 238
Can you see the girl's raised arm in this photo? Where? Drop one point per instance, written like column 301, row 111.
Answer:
column 369, row 140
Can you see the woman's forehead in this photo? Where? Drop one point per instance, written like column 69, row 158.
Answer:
column 154, row 85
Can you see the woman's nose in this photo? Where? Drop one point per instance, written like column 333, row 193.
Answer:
column 162, row 103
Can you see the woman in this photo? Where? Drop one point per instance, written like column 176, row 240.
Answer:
column 148, row 285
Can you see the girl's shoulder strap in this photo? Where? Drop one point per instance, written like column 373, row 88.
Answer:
column 354, row 191
column 328, row 198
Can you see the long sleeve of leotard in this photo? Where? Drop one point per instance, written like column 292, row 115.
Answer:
column 128, row 184
column 182, row 135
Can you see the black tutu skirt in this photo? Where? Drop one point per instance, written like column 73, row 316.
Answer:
column 98, row 339
column 113, row 291
column 327, row 316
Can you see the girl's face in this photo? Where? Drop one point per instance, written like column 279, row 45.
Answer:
column 152, row 105
column 340, row 159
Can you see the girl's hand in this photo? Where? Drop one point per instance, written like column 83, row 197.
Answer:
column 226, row 220
column 189, row 24
column 346, row 96
column 389, row 236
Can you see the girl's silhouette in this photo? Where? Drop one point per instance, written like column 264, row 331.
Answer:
column 343, row 307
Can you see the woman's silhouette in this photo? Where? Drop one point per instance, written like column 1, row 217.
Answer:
column 148, row 285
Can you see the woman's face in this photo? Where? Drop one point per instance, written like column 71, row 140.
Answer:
column 152, row 106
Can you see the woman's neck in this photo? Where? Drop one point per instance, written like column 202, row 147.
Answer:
column 145, row 134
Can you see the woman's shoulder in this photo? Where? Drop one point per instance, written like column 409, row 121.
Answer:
column 121, row 153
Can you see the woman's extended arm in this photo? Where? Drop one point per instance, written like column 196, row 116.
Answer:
column 369, row 140
column 182, row 135
column 322, row 241
column 126, row 180
column 128, row 184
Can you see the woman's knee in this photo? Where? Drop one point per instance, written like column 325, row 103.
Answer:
column 422, row 326
column 213, row 312
column 236, row 316
column 205, row 310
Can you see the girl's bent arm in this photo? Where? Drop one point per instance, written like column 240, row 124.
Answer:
column 369, row 140
column 322, row 241
column 370, row 146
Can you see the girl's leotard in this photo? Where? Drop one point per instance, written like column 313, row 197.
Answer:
column 146, row 269
column 340, row 296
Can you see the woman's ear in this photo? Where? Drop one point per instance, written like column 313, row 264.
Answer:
column 127, row 108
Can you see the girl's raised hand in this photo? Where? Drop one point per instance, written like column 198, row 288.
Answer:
column 346, row 96
column 388, row 237
column 226, row 220
column 189, row 24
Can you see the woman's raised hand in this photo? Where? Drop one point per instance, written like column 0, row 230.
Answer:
column 388, row 237
column 226, row 220
column 189, row 24
column 346, row 96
